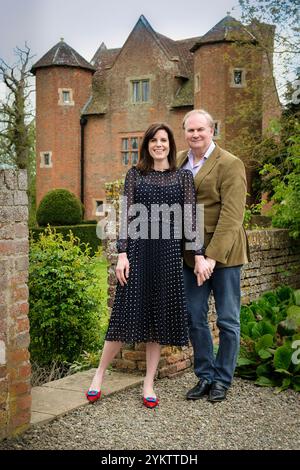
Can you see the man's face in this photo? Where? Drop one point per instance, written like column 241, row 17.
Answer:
column 198, row 132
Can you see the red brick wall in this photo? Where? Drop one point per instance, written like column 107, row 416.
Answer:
column 103, row 132
column 15, row 397
column 58, row 127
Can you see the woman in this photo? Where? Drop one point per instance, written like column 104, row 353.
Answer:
column 150, row 305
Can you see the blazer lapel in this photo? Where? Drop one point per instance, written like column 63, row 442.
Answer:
column 207, row 167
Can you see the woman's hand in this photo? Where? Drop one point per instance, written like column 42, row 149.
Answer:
column 122, row 269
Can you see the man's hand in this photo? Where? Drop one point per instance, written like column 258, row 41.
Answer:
column 203, row 269
column 122, row 269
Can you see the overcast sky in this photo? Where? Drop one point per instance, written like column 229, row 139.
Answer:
column 84, row 24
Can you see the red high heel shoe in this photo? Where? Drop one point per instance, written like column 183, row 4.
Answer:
column 150, row 402
column 93, row 395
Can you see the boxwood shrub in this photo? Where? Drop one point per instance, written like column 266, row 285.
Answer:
column 59, row 207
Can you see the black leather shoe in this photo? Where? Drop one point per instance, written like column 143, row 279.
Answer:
column 199, row 391
column 217, row 392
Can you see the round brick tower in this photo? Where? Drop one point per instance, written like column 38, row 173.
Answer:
column 223, row 60
column 63, row 86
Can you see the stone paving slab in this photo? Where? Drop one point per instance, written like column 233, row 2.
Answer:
column 37, row 417
column 61, row 396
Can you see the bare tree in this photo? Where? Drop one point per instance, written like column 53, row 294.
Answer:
column 16, row 136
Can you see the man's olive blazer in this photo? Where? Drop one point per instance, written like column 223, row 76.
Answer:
column 221, row 187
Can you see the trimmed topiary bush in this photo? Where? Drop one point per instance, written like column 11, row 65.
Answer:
column 59, row 207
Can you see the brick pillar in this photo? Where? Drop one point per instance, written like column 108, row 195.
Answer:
column 15, row 397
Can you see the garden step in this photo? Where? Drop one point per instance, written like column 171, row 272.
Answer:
column 61, row 396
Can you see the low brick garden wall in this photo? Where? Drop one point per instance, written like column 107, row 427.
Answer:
column 275, row 260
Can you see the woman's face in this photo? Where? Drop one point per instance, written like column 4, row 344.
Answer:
column 159, row 146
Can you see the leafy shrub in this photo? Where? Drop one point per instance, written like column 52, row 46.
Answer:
column 285, row 183
column 86, row 233
column 65, row 306
column 270, row 329
column 59, row 207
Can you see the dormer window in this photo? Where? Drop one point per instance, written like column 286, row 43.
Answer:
column 65, row 97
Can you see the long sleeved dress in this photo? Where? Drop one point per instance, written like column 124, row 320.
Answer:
column 151, row 307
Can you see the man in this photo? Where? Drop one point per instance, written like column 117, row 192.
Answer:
column 220, row 183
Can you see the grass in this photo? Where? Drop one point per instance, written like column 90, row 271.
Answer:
column 100, row 266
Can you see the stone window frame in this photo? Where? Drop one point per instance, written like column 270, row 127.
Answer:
column 130, row 150
column 197, row 82
column 217, row 129
column 95, row 207
column 43, row 164
column 243, row 82
column 140, row 79
column 61, row 101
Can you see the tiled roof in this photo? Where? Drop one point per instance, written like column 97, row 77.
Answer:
column 62, row 55
column 228, row 29
column 104, row 58
column 98, row 101
column 185, row 95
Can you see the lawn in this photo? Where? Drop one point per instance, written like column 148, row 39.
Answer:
column 100, row 266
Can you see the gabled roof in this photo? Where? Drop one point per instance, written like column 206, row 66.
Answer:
column 227, row 30
column 62, row 55
column 104, row 58
column 174, row 50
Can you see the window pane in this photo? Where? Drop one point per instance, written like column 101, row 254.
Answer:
column 145, row 90
column 46, row 159
column 237, row 77
column 124, row 144
column 66, row 96
column 134, row 143
column 99, row 206
column 125, row 157
column 136, row 92
column 134, row 158
column 216, row 129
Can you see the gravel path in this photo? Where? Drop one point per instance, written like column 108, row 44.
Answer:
column 251, row 418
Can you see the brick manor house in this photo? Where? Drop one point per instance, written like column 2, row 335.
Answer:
column 90, row 116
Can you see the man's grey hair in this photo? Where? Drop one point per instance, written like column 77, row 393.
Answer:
column 202, row 112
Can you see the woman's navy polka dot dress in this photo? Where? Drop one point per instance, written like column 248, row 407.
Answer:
column 151, row 307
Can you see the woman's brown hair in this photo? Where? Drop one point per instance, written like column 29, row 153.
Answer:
column 145, row 163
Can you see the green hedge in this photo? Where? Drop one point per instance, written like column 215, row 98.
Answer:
column 85, row 232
